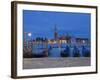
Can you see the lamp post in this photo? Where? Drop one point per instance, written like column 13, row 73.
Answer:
column 30, row 34
column 30, row 42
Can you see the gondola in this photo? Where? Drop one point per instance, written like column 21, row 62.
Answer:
column 85, row 52
column 76, row 52
column 40, row 54
column 65, row 52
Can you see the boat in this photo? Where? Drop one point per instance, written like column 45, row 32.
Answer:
column 76, row 52
column 40, row 53
column 85, row 51
column 65, row 52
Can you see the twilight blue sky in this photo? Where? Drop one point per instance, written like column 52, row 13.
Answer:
column 41, row 23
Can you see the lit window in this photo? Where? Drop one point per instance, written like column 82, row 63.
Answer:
column 83, row 41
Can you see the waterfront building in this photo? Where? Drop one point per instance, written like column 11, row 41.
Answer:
column 25, row 44
column 82, row 41
column 39, row 46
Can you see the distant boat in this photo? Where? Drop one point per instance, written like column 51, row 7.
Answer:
column 65, row 52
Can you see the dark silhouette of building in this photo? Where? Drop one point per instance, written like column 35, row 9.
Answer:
column 55, row 33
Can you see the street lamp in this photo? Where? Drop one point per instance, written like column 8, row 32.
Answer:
column 30, row 42
column 29, row 34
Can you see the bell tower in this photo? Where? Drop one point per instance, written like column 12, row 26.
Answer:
column 55, row 33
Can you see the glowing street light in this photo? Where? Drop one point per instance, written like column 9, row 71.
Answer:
column 29, row 34
column 83, row 41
